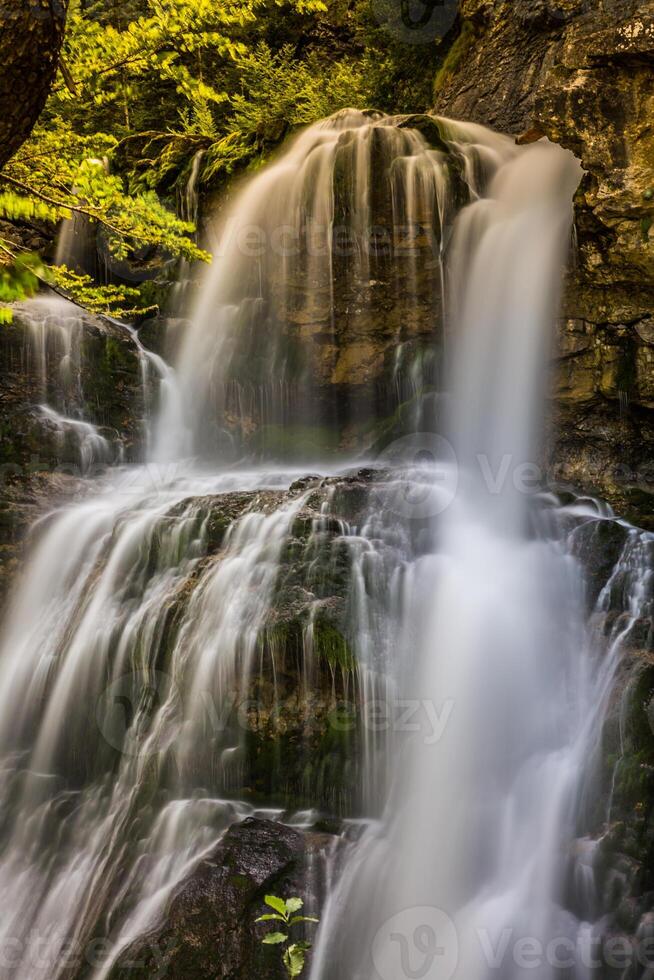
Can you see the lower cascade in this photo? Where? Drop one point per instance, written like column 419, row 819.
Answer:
column 334, row 616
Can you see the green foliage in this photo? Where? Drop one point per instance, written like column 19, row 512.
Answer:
column 113, row 300
column 460, row 50
column 145, row 84
column 17, row 207
column 285, row 911
column 19, row 280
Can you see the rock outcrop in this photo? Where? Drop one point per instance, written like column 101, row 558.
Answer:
column 209, row 929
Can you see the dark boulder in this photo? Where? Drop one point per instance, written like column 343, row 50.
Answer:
column 209, row 929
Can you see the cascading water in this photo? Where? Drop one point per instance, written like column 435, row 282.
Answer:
column 55, row 330
column 149, row 603
column 357, row 198
column 477, row 820
column 188, row 208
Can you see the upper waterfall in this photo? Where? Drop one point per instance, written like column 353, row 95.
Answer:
column 507, row 259
column 328, row 277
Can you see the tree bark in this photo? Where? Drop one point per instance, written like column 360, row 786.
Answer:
column 31, row 33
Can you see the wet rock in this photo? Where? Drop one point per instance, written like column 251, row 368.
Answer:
column 428, row 127
column 626, row 854
column 598, row 546
column 85, row 367
column 295, row 718
column 81, row 365
column 208, row 929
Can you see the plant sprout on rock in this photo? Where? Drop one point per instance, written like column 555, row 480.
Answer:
column 287, row 912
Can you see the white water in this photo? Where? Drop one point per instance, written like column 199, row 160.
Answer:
column 473, row 846
column 479, row 608
column 306, row 222
column 92, row 447
column 53, row 353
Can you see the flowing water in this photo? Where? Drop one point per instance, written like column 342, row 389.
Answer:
column 145, row 608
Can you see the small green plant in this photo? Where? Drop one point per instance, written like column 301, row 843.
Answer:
column 287, row 912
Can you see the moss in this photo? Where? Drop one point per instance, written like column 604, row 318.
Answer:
column 295, row 442
column 463, row 45
column 329, row 644
column 630, row 772
column 112, row 385
column 300, row 769
column 285, row 637
column 116, row 355
column 240, row 882
column 401, row 423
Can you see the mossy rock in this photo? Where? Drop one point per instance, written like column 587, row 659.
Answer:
column 429, row 127
column 330, row 644
column 297, row 443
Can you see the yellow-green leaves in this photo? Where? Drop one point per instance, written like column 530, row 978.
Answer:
column 19, row 278
column 119, row 301
column 23, row 208
column 284, row 910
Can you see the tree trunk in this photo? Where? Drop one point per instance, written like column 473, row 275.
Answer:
column 31, row 32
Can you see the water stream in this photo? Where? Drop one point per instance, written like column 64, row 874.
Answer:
column 144, row 607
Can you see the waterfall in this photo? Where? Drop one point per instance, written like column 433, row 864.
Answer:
column 472, row 847
column 149, row 612
column 269, row 332
column 505, row 627
column 188, row 208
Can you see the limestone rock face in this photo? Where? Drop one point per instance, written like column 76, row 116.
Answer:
column 581, row 72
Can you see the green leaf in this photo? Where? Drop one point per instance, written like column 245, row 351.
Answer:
column 268, row 918
column 294, row 960
column 302, row 918
column 278, row 904
column 293, row 905
column 274, row 938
